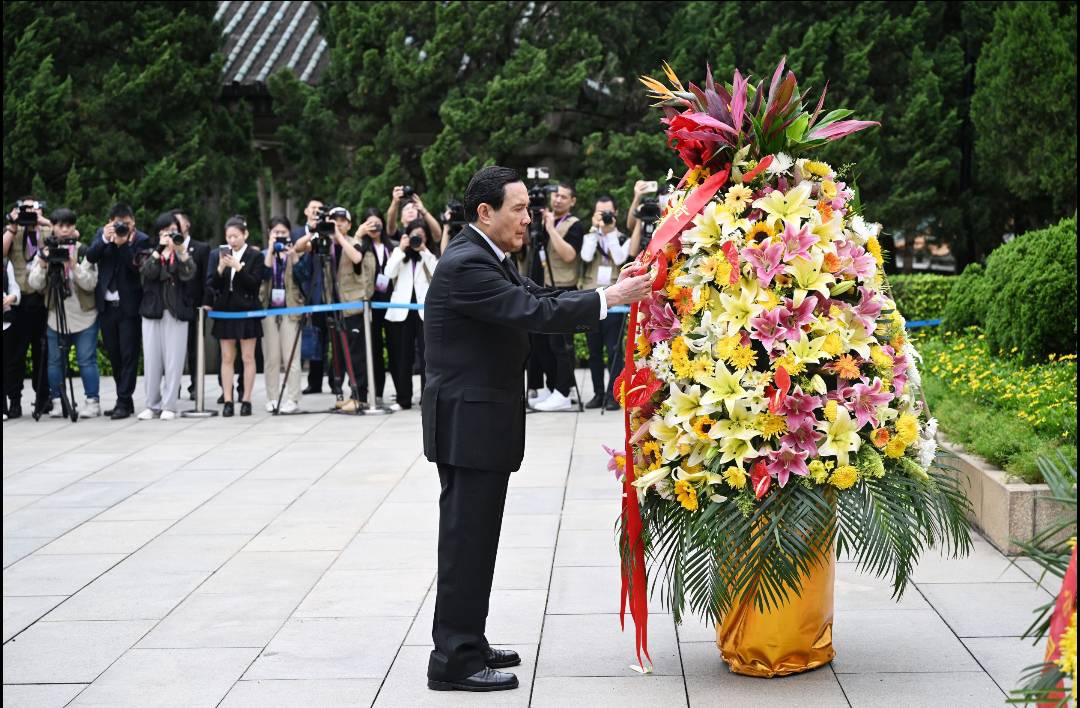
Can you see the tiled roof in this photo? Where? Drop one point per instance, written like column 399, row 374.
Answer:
column 262, row 37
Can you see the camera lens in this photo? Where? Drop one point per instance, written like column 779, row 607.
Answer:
column 177, row 237
column 407, row 192
column 121, row 228
column 607, row 217
column 415, row 241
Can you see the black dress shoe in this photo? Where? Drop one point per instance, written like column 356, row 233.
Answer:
column 485, row 680
column 501, row 658
column 308, row 390
column 595, row 402
column 14, row 409
column 119, row 413
column 245, row 408
column 221, row 399
column 227, row 410
column 612, row 405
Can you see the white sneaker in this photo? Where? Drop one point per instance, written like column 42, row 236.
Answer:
column 555, row 402
column 168, row 415
column 93, row 408
column 540, row 397
column 289, row 407
column 148, row 414
column 271, row 406
column 57, row 409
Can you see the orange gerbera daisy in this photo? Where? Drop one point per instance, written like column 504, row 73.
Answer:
column 831, row 263
column 825, row 209
column 880, row 437
column 684, row 301
column 846, row 367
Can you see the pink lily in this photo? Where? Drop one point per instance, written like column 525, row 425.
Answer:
column 767, row 262
column 855, row 262
column 867, row 307
column 662, row 323
column 787, row 461
column 797, row 242
column 617, row 461
column 768, row 327
column 799, row 408
column 805, row 438
column 801, row 315
column 863, row 401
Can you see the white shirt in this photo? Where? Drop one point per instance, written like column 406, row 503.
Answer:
column 13, row 289
column 232, row 271
column 617, row 249
column 502, row 257
column 110, row 295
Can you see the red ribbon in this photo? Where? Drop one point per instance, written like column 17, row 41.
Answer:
column 633, row 591
column 1059, row 622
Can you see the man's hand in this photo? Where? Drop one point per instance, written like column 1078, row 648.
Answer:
column 404, row 243
column 109, row 233
column 640, row 188
column 549, row 219
column 397, row 194
column 631, row 287
column 9, row 300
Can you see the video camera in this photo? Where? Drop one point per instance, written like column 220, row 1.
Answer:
column 539, row 199
column 324, row 228
column 56, row 249
column 455, row 210
column 649, row 213
column 27, row 214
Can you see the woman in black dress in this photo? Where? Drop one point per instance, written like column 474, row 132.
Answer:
column 235, row 273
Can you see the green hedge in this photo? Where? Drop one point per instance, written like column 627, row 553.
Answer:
column 921, row 296
column 1025, row 298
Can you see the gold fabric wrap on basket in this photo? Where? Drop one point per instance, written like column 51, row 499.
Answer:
column 794, row 638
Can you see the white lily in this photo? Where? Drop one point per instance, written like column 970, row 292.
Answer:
column 806, row 350
column 738, row 424
column 650, row 478
column 826, row 231
column 736, row 450
column 808, row 274
column 841, row 436
column 685, row 404
column 792, row 206
column 724, row 385
column 670, row 436
column 737, row 310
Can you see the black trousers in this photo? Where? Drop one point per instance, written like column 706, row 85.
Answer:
column 555, row 355
column 409, row 348
column 25, row 332
column 316, row 367
column 470, row 519
column 354, row 328
column 122, row 336
column 379, row 343
column 608, row 336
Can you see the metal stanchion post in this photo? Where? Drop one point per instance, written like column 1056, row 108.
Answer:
column 372, row 409
column 200, row 373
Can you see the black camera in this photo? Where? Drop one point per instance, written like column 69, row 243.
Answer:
column 324, row 225
column 608, row 217
column 456, row 212
column 57, row 249
column 407, row 193
column 280, row 243
column 177, row 237
column 120, row 228
column 649, row 210
column 27, row 215
column 415, row 242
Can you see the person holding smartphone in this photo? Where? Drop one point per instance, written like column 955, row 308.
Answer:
column 411, row 266
column 281, row 289
column 234, row 275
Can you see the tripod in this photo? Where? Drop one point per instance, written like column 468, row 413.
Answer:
column 56, row 292
column 535, row 243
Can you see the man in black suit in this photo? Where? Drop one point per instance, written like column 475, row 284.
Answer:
column 116, row 250
column 478, row 315
column 196, row 289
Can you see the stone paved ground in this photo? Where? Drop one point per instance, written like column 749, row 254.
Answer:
column 290, row 562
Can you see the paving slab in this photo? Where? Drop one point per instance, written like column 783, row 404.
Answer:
column 324, row 693
column 68, row 652
column 921, row 690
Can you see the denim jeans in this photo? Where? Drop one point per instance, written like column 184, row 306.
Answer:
column 85, row 354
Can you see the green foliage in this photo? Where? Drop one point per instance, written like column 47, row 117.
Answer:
column 1024, row 110
column 967, row 301
column 1032, row 285
column 95, row 112
column 922, row 296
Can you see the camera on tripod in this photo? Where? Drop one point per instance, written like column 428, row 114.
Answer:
column 649, row 213
column 539, row 199
column 455, row 212
column 56, row 249
column 324, row 230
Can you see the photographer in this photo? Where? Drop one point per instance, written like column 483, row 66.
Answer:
column 382, row 343
column 603, row 251
column 356, row 268
column 25, row 232
column 312, row 285
column 453, row 222
column 560, row 267
column 411, row 265
column 199, row 251
column 118, row 295
column 281, row 289
column 80, row 314
column 234, row 276
column 406, row 204
column 166, row 310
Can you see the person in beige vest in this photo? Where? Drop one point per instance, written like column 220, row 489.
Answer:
column 280, row 289
column 602, row 253
column 560, row 265
column 80, row 318
column 355, row 283
column 21, row 243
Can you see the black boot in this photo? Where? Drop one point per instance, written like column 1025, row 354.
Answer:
column 14, row 407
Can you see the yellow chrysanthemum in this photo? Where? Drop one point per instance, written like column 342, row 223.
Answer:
column 771, row 425
column 743, row 358
column 833, row 344
column 880, row 358
column 828, row 189
column 701, row 367
column 686, row 495
column 644, row 346
column 898, row 341
column 830, row 410
column 873, row 246
column 895, row 448
column 844, row 477
column 735, row 477
column 818, row 472
column 769, row 298
column 725, row 348
column 702, row 426
column 907, row 428
column 791, row 364
column 818, row 169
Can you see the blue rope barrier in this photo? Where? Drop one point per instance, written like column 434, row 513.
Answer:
column 923, row 323
column 359, row 305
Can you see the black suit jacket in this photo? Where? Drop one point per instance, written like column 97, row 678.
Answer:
column 244, row 294
column 124, row 261
column 196, row 287
column 477, row 317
